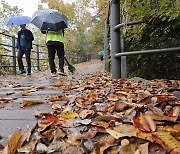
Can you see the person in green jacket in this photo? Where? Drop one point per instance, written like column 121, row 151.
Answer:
column 55, row 43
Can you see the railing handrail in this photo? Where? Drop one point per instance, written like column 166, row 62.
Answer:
column 146, row 51
column 117, row 49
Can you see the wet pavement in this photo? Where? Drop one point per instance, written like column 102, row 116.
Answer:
column 12, row 117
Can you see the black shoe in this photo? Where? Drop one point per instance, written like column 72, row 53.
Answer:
column 22, row 72
column 28, row 73
column 61, row 72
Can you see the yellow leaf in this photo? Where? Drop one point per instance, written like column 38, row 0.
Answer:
column 122, row 92
column 166, row 140
column 68, row 115
column 13, row 142
column 143, row 135
column 25, row 92
column 100, row 124
column 115, row 134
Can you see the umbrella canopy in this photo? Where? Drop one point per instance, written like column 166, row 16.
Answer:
column 101, row 53
column 17, row 20
column 49, row 19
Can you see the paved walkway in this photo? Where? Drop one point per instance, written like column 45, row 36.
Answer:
column 12, row 117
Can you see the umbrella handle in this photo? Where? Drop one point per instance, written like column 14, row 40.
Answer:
column 66, row 60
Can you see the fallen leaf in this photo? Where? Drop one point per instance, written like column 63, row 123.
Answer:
column 10, row 93
column 28, row 147
column 83, row 114
column 56, row 106
column 161, row 117
column 50, row 118
column 100, row 124
column 114, row 133
column 144, row 135
column 141, row 123
column 126, row 129
column 59, row 84
column 59, row 98
column 4, row 99
column 90, row 134
column 166, row 140
column 144, row 148
column 14, row 142
column 30, row 102
column 68, row 115
column 25, row 92
column 128, row 149
column 74, row 139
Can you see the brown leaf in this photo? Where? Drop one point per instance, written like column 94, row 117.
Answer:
column 119, row 106
column 83, row 114
column 108, row 117
column 30, row 102
column 126, row 129
column 128, row 149
column 50, row 118
column 74, row 139
column 141, row 123
column 4, row 99
column 59, row 98
column 10, row 93
column 151, row 122
column 59, row 84
column 68, row 86
column 161, row 117
column 90, row 134
column 73, row 150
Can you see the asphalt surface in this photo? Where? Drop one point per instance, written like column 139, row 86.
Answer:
column 12, row 117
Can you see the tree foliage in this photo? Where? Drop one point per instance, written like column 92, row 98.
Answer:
column 161, row 31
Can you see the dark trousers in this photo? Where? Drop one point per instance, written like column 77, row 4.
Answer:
column 101, row 57
column 52, row 49
column 27, row 53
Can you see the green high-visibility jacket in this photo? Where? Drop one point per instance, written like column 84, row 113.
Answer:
column 55, row 36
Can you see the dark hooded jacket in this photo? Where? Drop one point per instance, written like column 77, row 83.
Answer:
column 28, row 37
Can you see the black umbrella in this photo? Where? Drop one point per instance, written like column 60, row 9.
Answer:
column 49, row 19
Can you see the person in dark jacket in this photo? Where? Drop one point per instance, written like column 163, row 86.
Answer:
column 24, row 46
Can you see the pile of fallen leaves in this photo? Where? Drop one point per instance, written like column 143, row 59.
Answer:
column 102, row 115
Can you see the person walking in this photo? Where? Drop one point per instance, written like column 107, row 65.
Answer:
column 101, row 55
column 55, row 43
column 24, row 46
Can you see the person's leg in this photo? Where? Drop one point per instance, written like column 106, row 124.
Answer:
column 28, row 60
column 20, row 62
column 51, row 57
column 60, row 54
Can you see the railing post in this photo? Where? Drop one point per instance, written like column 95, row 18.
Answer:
column 106, row 47
column 123, row 60
column 115, row 39
column 37, row 52
column 14, row 53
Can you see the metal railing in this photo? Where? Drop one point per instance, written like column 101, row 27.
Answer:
column 8, row 55
column 118, row 56
column 39, row 56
